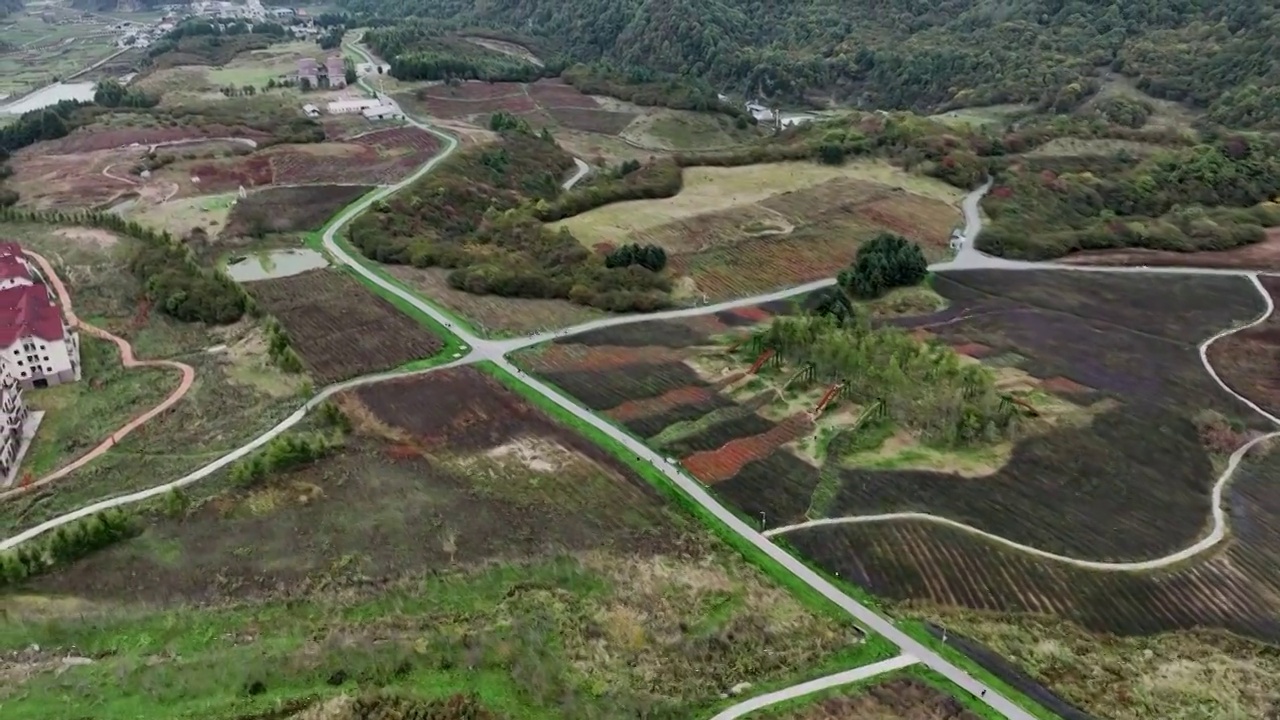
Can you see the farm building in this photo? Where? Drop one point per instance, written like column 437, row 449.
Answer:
column 337, row 71
column 381, row 112
column 311, row 110
column 38, row 346
column 309, row 71
column 342, row 107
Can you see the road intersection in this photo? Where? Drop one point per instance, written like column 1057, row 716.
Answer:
column 478, row 349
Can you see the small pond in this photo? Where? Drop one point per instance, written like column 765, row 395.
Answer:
column 270, row 264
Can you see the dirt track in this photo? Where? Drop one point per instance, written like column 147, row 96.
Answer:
column 129, row 361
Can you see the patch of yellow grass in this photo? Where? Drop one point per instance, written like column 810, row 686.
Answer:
column 712, row 189
column 180, row 215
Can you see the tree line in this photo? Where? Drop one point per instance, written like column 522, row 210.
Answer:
column 169, row 273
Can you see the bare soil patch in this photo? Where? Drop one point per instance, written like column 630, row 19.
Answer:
column 98, row 238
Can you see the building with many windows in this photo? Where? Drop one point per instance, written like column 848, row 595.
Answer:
column 37, row 346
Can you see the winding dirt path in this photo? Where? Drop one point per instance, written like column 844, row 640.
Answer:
column 129, row 361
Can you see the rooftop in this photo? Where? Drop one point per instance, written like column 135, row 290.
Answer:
column 27, row 311
column 11, row 267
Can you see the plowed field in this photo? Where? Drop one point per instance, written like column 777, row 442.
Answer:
column 339, row 329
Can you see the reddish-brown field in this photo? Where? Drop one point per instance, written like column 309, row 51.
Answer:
column 219, row 176
column 602, row 357
column 604, row 122
column 373, row 158
column 1249, row 360
column 472, row 90
column 447, row 107
column 900, row 699
column 648, row 407
column 90, row 140
column 552, row 93
column 290, row 209
column 925, row 220
column 339, row 329
column 764, row 263
column 1261, row 256
column 543, row 103
column 718, row 465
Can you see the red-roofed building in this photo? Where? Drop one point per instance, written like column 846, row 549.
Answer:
column 37, row 346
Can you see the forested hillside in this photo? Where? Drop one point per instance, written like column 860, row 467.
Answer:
column 9, row 6
column 925, row 55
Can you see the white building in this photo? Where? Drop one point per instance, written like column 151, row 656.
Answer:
column 381, row 112
column 311, row 110
column 342, row 107
column 37, row 345
column 17, row 426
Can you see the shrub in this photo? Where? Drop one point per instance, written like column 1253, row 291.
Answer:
column 888, row 261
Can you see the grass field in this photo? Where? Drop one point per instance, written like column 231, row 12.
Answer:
column 79, row 415
column 686, row 130
column 485, row 550
column 258, row 66
column 734, row 231
column 181, row 215
column 987, row 116
column 711, row 189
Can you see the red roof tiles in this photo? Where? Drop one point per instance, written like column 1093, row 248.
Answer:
column 27, row 311
column 11, row 268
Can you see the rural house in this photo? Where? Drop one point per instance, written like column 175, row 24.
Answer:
column 337, row 72
column 308, row 72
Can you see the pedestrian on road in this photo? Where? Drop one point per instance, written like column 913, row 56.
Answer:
column 984, row 693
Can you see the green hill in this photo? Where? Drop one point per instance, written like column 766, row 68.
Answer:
column 924, row 55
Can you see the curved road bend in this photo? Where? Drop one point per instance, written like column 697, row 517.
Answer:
column 494, row 350
column 808, row 688
column 188, row 375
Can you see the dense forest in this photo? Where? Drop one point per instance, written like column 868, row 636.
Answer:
column 8, row 7
column 1220, row 55
column 1213, row 196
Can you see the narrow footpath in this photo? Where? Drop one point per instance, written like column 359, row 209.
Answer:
column 127, row 359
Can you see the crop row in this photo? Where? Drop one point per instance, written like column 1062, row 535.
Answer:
column 338, row 328
column 605, row 390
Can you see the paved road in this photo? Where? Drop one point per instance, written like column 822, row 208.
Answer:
column 581, row 172
column 495, row 350
column 813, row 686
